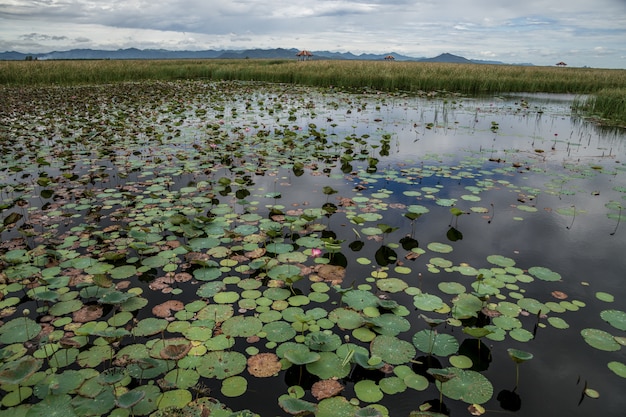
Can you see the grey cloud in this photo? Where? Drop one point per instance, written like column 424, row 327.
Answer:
column 41, row 37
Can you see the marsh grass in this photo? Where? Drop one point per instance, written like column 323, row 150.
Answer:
column 606, row 85
column 606, row 104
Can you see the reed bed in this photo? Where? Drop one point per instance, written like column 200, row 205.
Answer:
column 605, row 85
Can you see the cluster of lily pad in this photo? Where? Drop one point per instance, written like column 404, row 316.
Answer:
column 151, row 255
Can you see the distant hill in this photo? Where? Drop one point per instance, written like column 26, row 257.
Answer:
column 276, row 53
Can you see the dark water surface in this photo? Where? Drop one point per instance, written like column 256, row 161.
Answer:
column 532, row 179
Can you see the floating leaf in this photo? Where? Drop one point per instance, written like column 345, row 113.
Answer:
column 468, row 386
column 392, row 350
column 439, row 344
column 368, row 391
column 615, row 318
column 234, row 386
column 600, row 339
column 618, row 367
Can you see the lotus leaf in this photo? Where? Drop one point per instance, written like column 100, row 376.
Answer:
column 14, row 372
column 461, row 361
column 295, row 406
column 392, row 350
column 234, row 386
column 329, row 365
column 431, row 342
column 150, row 326
column 392, row 385
column 279, row 331
column 615, row 318
column 123, row 272
column 521, row 335
column 322, row 341
column 242, row 326
column 130, row 399
column 468, row 386
column 519, row 356
column 98, row 405
column 558, row 322
column 359, row 299
column 389, row 324
column 178, row 398
column 427, row 302
column 618, row 368
column 451, row 288
column 600, row 339
column 346, row 319
column 19, row 330
column 221, row 365
column 368, row 391
column 544, row 273
column 533, row 306
column 53, row 406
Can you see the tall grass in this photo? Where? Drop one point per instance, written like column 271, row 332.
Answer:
column 609, row 105
column 606, row 85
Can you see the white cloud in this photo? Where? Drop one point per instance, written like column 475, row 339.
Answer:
column 538, row 31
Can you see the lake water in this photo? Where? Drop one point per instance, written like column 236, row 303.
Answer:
column 513, row 187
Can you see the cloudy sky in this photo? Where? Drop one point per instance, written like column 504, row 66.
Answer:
column 543, row 32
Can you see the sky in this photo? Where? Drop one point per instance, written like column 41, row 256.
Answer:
column 542, row 32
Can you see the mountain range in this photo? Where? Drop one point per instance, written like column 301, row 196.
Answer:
column 276, row 53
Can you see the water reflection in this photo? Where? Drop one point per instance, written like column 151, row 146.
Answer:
column 517, row 167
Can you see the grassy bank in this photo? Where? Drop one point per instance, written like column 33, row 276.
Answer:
column 606, row 86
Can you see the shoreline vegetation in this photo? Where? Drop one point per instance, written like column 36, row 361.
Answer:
column 603, row 91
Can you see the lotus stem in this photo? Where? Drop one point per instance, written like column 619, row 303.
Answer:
column 619, row 217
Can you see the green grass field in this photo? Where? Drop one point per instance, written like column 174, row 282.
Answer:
column 606, row 87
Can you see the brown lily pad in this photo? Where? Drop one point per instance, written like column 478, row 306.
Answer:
column 178, row 349
column 332, row 273
column 87, row 313
column 326, row 388
column 263, row 365
column 167, row 308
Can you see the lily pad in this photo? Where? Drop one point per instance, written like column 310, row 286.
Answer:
column 368, row 391
column 600, row 339
column 469, row 386
column 392, row 350
column 432, row 342
column 615, row 318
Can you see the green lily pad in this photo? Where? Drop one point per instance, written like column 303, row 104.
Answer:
column 19, row 330
column 389, row 324
column 500, row 260
column 519, row 356
column 469, row 386
column 177, row 398
column 427, row 302
column 234, row 386
column 53, row 406
column 600, row 339
column 296, row 406
column 279, row 331
column 301, row 356
column 618, row 368
column 392, row 350
column 359, row 299
column 439, row 344
column 544, row 273
column 335, row 407
column 242, row 326
column 329, row 365
column 14, row 372
column 221, row 365
column 368, row 391
column 322, row 341
column 440, row 247
column 615, row 318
